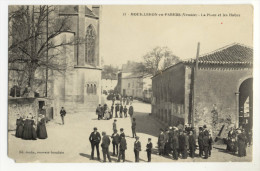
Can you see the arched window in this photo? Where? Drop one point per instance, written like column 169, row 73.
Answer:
column 90, row 45
column 91, row 89
column 87, row 88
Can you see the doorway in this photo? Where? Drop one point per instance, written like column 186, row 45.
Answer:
column 246, row 104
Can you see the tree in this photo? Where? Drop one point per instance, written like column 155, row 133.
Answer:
column 32, row 31
column 109, row 72
column 157, row 59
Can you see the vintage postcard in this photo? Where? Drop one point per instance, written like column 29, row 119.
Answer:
column 130, row 83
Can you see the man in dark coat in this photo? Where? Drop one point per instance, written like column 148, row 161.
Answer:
column 131, row 111
column 134, row 128
column 62, row 114
column 122, row 134
column 125, row 111
column 206, row 144
column 167, row 143
column 192, row 144
column 137, row 148
column 210, row 144
column 175, row 145
column 94, row 139
column 122, row 148
column 200, row 141
column 121, row 111
column 149, row 147
column 112, row 110
column 117, row 109
column 161, row 142
column 183, row 144
column 105, row 147
column 115, row 141
column 98, row 112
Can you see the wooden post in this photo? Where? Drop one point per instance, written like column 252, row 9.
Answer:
column 194, row 81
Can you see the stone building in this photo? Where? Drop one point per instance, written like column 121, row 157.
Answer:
column 78, row 89
column 223, row 90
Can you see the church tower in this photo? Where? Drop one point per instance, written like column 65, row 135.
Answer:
column 79, row 88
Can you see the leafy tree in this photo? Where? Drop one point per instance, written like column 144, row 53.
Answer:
column 157, row 59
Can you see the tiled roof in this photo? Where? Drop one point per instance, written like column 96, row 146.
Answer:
column 232, row 54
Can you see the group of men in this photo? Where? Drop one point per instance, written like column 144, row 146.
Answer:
column 116, row 111
column 119, row 145
column 180, row 141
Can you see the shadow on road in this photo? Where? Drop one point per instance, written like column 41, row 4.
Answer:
column 225, row 151
column 146, row 124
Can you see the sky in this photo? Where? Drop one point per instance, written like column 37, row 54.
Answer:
column 130, row 37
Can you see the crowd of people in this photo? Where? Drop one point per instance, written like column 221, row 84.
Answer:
column 27, row 130
column 238, row 140
column 119, row 145
column 117, row 110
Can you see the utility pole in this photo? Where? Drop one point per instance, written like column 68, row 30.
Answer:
column 47, row 54
column 194, row 81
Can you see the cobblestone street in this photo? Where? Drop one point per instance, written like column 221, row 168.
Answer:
column 69, row 142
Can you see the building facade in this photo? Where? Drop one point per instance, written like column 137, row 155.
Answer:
column 78, row 88
column 220, row 96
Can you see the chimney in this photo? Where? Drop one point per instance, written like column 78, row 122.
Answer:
column 95, row 9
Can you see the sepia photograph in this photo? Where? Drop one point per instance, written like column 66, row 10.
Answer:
column 130, row 83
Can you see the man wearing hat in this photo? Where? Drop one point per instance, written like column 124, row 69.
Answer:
column 122, row 134
column 137, row 148
column 200, row 141
column 175, row 145
column 114, row 125
column 149, row 147
column 115, row 141
column 62, row 114
column 122, row 148
column 161, row 142
column 94, row 139
column 133, row 127
column 105, row 147
column 117, row 109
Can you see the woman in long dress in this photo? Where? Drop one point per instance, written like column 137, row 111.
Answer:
column 29, row 132
column 241, row 140
column 34, row 134
column 41, row 128
column 19, row 126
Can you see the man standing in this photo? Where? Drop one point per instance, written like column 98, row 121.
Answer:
column 131, row 111
column 117, row 109
column 105, row 147
column 125, row 111
column 122, row 148
column 200, row 141
column 115, row 141
column 98, row 112
column 133, row 128
column 192, row 144
column 137, row 148
column 175, row 145
column 62, row 114
column 94, row 139
column 166, row 146
column 121, row 111
column 114, row 125
column 161, row 142
column 112, row 110
column 206, row 144
column 122, row 134
column 149, row 147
